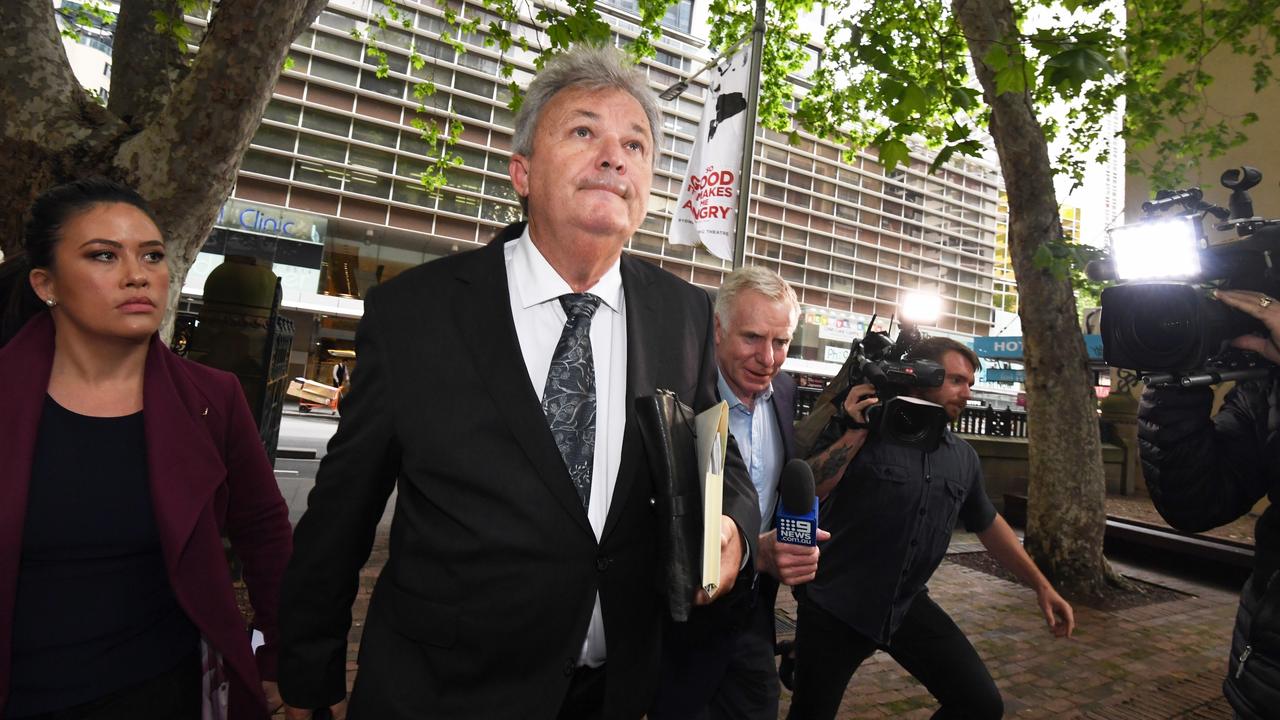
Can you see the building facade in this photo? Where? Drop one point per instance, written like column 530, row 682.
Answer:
column 329, row 192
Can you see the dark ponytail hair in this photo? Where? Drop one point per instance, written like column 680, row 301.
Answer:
column 46, row 217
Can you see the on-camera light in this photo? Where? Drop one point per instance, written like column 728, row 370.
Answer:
column 1156, row 249
column 920, row 308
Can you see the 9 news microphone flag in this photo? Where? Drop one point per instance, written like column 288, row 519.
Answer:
column 707, row 208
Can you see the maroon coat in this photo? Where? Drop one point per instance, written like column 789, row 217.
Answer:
column 208, row 475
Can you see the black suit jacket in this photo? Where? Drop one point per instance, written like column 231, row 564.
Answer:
column 485, row 598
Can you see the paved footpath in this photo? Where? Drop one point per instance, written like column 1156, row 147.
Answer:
column 1160, row 661
column 1157, row 662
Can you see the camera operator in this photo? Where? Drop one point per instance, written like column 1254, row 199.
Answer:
column 890, row 509
column 1204, row 472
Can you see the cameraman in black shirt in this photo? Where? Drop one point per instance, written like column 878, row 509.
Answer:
column 890, row 509
column 1204, row 472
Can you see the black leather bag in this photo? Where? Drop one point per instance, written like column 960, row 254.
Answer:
column 667, row 427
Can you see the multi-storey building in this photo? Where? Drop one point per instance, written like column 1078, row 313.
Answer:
column 329, row 191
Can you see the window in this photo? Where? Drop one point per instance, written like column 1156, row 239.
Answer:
column 340, row 46
column 271, row 137
column 336, row 72
column 260, row 162
column 283, row 112
column 326, row 122
column 372, row 133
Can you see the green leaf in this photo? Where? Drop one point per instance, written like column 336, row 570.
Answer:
column 1011, row 80
column 893, row 153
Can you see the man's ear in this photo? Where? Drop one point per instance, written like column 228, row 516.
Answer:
column 719, row 329
column 518, row 171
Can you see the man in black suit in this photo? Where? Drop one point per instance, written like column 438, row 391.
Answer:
column 496, row 394
column 720, row 664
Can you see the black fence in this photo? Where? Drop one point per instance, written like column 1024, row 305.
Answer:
column 991, row 422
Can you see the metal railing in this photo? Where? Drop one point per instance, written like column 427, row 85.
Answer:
column 991, row 422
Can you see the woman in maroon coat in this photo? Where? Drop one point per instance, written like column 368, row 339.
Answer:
column 122, row 467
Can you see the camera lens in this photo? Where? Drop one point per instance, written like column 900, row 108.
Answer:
column 1164, row 325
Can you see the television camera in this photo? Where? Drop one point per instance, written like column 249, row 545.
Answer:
column 1166, row 325
column 898, row 417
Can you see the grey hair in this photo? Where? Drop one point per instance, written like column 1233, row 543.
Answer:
column 591, row 67
column 754, row 279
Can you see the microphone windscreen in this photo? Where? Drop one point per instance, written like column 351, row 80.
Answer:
column 796, row 487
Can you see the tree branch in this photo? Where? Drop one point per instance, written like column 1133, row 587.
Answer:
column 46, row 114
column 146, row 60
column 211, row 114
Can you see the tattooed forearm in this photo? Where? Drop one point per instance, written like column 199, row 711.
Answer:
column 833, row 463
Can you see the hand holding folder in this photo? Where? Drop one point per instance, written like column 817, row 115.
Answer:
column 687, row 454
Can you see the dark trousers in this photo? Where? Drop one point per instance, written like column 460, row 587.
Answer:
column 721, row 669
column 928, row 645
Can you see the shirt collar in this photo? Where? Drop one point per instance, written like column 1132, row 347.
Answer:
column 536, row 282
column 728, row 395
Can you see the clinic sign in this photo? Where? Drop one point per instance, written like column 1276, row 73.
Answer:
column 246, row 216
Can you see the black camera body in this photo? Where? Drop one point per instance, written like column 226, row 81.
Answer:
column 1175, row 332
column 898, row 417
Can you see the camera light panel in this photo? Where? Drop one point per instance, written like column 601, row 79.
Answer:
column 1157, row 249
column 920, row 308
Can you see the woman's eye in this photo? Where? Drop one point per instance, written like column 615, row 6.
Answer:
column 154, row 257
column 103, row 256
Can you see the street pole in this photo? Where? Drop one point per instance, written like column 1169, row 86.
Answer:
column 749, row 139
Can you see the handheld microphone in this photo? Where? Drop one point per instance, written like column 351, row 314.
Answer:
column 798, row 510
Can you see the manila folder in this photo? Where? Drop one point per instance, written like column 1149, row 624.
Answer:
column 713, row 440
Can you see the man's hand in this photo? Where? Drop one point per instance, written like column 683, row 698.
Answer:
column 860, row 398
column 1057, row 611
column 731, row 552
column 789, row 564
column 1262, row 307
column 338, row 711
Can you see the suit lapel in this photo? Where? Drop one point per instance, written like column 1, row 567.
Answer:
column 643, row 322
column 484, row 302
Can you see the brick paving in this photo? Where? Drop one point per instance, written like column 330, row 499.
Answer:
column 1155, row 662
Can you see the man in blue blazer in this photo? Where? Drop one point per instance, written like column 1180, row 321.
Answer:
column 496, row 393
column 721, row 663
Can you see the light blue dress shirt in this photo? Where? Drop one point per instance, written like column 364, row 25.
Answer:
column 760, row 443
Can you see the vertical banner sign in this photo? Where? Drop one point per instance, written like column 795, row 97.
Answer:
column 707, row 209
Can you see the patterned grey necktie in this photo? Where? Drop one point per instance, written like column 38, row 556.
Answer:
column 569, row 400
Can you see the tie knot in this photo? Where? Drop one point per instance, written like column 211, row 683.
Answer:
column 579, row 304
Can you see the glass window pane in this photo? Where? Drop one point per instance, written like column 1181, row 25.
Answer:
column 283, row 112
column 366, row 157
column 336, row 72
column 472, row 109
column 462, row 180
column 340, row 46
column 318, row 173
column 389, row 85
column 370, row 132
column 368, row 184
column 323, row 148
column 275, row 138
column 411, row 191
column 474, row 85
column 461, row 204
column 266, row 163
column 326, row 122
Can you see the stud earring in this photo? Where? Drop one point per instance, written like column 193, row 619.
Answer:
column 50, row 302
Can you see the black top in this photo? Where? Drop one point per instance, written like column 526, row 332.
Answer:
column 94, row 612
column 890, row 520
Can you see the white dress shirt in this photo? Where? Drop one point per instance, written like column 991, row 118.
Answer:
column 535, row 288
